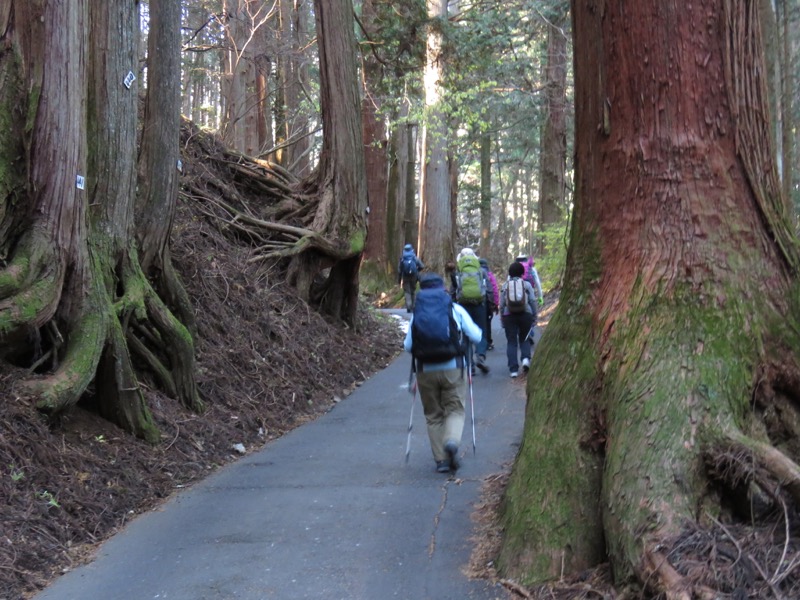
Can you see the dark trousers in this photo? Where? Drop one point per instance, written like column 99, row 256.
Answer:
column 478, row 314
column 489, row 316
column 517, row 326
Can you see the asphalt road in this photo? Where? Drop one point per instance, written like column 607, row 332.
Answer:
column 328, row 511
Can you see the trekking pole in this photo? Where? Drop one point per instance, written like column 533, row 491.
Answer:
column 471, row 400
column 412, row 388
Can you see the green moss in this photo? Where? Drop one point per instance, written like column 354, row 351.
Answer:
column 13, row 275
column 26, row 306
column 358, row 240
column 677, row 367
column 551, row 510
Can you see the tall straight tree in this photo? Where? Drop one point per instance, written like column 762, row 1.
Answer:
column 553, row 160
column 436, row 225
column 169, row 307
column 677, row 408
column 486, row 193
column 243, row 89
column 789, row 103
column 375, row 144
column 400, row 152
column 340, row 219
column 292, row 76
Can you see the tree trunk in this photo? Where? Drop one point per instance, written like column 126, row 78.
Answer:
column 396, row 192
column 486, row 194
column 411, row 219
column 375, row 149
column 676, row 333
column 788, row 103
column 301, row 164
column 112, row 122
column 554, row 137
column 245, row 20
column 44, row 206
column 170, row 316
column 74, row 279
column 292, row 123
column 341, row 214
column 436, row 229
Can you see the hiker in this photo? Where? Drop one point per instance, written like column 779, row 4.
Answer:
column 531, row 275
column 518, row 316
column 492, row 301
column 436, row 341
column 408, row 274
column 471, row 294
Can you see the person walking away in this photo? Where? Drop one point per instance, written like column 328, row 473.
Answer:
column 436, row 340
column 518, row 316
column 408, row 274
column 492, row 300
column 531, row 276
column 471, row 294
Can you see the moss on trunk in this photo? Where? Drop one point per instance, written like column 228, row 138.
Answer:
column 551, row 512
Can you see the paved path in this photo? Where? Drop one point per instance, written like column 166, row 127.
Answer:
column 328, row 511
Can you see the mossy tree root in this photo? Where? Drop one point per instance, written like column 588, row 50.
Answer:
column 156, row 336
column 756, row 462
column 30, row 286
column 95, row 350
column 86, row 334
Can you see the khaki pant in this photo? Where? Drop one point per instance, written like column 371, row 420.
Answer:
column 442, row 394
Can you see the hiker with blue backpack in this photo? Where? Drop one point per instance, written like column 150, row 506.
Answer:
column 438, row 334
column 408, row 273
column 471, row 294
column 518, row 316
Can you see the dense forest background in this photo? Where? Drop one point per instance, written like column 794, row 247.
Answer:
column 182, row 179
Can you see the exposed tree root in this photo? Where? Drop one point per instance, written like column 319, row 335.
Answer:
column 30, row 286
column 739, row 561
column 753, row 460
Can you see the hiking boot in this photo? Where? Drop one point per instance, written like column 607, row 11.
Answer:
column 480, row 362
column 514, row 374
column 442, row 466
column 452, row 452
column 526, row 364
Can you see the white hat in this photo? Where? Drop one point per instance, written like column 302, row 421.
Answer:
column 465, row 252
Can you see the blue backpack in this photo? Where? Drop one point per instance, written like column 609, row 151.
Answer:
column 408, row 266
column 435, row 336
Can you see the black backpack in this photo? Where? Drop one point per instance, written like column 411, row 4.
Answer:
column 435, row 336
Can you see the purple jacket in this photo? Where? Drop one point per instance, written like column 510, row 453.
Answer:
column 493, row 295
